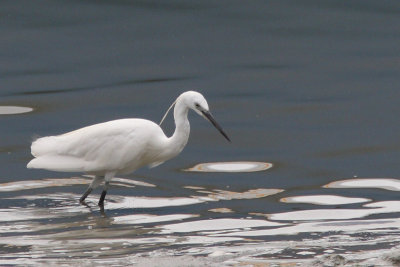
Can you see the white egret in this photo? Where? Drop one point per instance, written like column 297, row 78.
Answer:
column 118, row 146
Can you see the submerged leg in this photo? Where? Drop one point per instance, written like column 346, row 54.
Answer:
column 95, row 182
column 107, row 179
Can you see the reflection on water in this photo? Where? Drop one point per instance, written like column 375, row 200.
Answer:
column 33, row 184
column 54, row 182
column 205, row 196
column 221, row 210
column 339, row 226
column 239, row 166
column 324, row 200
column 148, row 218
column 64, row 227
column 388, row 184
column 7, row 110
column 146, row 202
column 216, row 225
column 338, row 214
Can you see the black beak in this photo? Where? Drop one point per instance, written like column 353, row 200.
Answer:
column 212, row 120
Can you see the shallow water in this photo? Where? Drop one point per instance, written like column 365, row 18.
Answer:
column 309, row 87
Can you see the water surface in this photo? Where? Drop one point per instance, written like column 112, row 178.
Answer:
column 308, row 86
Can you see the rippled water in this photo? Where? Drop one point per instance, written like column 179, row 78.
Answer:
column 307, row 88
column 54, row 227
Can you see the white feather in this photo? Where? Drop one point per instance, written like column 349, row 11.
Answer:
column 121, row 146
column 117, row 147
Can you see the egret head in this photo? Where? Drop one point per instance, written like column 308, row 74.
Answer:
column 198, row 103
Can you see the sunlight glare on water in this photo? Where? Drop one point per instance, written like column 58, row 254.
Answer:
column 8, row 110
column 382, row 183
column 324, row 200
column 338, row 214
column 239, row 166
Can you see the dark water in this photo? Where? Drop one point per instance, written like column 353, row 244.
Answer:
column 310, row 86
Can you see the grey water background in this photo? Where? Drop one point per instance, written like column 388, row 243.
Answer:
column 310, row 86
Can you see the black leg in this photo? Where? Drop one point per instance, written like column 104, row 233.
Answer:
column 87, row 192
column 107, row 179
column 103, row 194
column 95, row 182
column 102, row 197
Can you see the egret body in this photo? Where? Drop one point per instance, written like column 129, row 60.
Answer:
column 119, row 146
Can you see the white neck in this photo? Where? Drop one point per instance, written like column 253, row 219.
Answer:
column 182, row 127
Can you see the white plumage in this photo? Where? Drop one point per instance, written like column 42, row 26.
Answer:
column 119, row 146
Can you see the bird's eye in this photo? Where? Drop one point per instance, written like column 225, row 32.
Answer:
column 197, row 105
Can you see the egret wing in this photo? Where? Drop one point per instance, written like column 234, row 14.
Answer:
column 108, row 146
